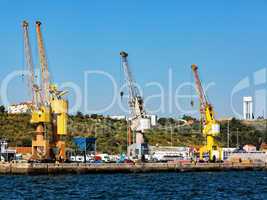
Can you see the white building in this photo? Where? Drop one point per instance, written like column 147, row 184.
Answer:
column 19, row 108
column 153, row 119
column 6, row 154
column 247, row 108
column 118, row 117
column 249, row 148
column 248, row 156
column 227, row 152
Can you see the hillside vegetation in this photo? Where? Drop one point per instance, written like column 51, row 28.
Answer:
column 112, row 134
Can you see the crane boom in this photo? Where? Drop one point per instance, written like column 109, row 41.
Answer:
column 45, row 80
column 133, row 91
column 29, row 61
column 135, row 100
column 200, row 91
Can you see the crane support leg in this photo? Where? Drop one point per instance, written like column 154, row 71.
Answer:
column 40, row 146
column 211, row 147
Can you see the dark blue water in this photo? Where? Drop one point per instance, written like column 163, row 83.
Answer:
column 213, row 185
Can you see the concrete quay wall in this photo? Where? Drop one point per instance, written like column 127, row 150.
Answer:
column 81, row 168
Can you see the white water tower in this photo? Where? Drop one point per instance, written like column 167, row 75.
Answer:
column 248, row 108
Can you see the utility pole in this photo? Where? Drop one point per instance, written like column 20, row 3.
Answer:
column 265, row 119
column 237, row 142
column 228, row 134
column 95, row 142
column 171, row 134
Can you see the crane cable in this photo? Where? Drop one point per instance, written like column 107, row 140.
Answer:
column 120, row 77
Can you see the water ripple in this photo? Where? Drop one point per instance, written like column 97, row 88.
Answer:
column 215, row 185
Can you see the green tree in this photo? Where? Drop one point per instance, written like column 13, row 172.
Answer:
column 79, row 114
column 162, row 121
column 2, row 109
column 188, row 118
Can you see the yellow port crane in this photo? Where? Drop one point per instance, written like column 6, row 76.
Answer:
column 49, row 109
column 210, row 127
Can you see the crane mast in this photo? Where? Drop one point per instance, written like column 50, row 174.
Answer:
column 138, row 123
column 211, row 127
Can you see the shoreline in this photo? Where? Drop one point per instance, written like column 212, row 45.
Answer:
column 88, row 168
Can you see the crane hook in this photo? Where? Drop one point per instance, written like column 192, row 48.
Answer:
column 192, row 103
column 121, row 94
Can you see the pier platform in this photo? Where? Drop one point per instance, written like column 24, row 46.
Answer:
column 82, row 168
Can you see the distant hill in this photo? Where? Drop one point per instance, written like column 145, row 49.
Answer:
column 112, row 134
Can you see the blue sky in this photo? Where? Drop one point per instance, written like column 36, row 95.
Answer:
column 227, row 39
